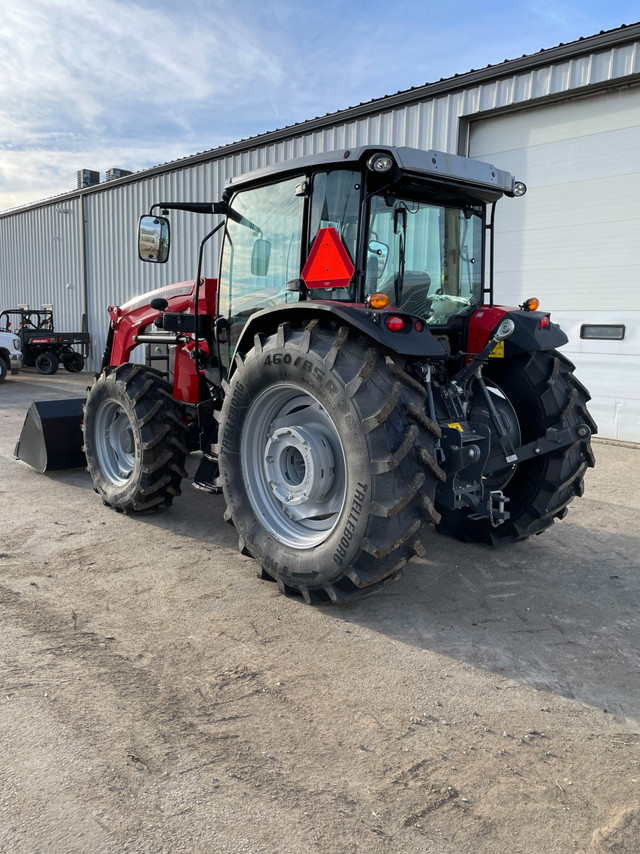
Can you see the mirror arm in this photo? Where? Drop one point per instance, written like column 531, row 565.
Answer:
column 196, row 297
column 242, row 220
column 192, row 207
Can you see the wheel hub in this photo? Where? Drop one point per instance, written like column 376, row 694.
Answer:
column 293, row 465
column 119, row 433
column 299, row 465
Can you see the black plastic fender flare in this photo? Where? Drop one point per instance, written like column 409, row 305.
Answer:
column 368, row 321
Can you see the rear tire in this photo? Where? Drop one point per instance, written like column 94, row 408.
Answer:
column 544, row 393
column 134, row 439
column 73, row 361
column 326, row 462
column 47, row 363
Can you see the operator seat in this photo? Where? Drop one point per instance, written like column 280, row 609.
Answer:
column 414, row 298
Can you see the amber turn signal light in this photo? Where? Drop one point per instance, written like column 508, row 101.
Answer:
column 378, row 300
column 531, row 304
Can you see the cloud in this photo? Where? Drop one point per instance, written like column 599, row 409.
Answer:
column 134, row 83
column 66, row 65
column 117, row 83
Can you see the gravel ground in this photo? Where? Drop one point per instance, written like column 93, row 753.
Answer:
column 156, row 697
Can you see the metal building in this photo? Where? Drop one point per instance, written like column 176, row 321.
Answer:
column 564, row 120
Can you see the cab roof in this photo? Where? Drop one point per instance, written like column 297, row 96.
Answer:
column 435, row 165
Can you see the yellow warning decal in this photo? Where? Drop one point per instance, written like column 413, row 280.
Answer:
column 456, row 426
column 498, row 351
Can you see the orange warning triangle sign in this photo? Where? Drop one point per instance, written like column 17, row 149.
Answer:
column 328, row 264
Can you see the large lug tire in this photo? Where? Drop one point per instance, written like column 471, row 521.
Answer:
column 47, row 363
column 4, row 369
column 134, row 439
column 544, row 393
column 326, row 462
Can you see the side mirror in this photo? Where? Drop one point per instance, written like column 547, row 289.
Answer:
column 260, row 255
column 380, row 252
column 153, row 239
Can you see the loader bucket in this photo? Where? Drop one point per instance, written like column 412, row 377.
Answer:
column 51, row 436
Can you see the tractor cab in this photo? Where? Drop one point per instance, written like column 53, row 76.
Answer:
column 386, row 227
column 405, row 226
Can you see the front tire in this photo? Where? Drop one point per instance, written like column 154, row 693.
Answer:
column 544, row 393
column 326, row 462
column 134, row 439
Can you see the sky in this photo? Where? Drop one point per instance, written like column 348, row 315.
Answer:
column 96, row 84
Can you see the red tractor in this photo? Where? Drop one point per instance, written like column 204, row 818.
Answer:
column 347, row 377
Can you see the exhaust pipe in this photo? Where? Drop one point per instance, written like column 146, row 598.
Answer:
column 51, row 436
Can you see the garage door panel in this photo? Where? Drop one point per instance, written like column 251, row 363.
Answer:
column 563, row 290
column 594, row 201
column 563, row 121
column 571, row 322
column 617, row 418
column 585, row 247
column 568, row 161
column 615, row 403
column 572, row 240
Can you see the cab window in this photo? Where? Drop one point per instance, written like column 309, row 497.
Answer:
column 262, row 251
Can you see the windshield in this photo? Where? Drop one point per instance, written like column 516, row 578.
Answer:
column 426, row 258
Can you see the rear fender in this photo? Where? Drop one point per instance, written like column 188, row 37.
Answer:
column 528, row 336
column 365, row 320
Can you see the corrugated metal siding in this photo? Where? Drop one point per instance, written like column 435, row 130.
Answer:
column 41, row 261
column 114, row 272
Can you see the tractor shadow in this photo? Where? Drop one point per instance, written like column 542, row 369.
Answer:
column 195, row 514
column 557, row 612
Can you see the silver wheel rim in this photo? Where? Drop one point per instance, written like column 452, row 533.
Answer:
column 115, row 445
column 293, row 465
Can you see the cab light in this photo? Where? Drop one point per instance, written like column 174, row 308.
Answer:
column 531, row 304
column 380, row 162
column 395, row 323
column 545, row 322
column 378, row 300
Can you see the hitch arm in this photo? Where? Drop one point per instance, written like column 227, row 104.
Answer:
column 553, row 440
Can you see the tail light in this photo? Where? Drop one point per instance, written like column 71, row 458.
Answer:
column 395, row 323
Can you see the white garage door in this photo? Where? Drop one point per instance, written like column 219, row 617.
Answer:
column 574, row 239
